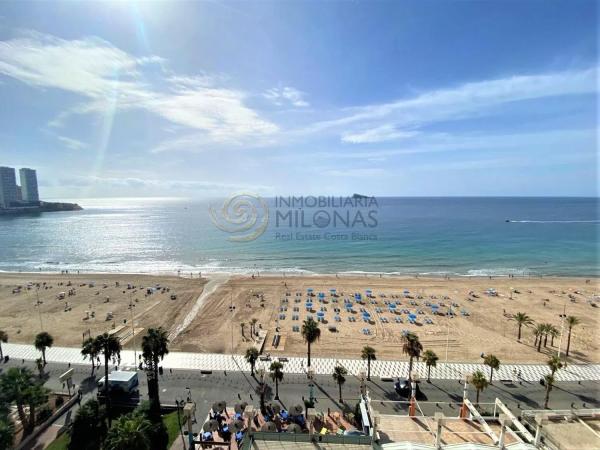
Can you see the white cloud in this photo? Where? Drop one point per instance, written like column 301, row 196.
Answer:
column 110, row 78
column 465, row 101
column 286, row 96
column 71, row 143
column 382, row 133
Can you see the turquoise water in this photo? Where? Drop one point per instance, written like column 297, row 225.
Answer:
column 457, row 236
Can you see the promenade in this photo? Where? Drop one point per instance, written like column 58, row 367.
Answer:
column 320, row 366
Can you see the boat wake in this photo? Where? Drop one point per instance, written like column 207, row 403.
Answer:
column 553, row 221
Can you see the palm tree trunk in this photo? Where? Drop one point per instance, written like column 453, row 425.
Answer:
column 276, row 389
column 491, row 374
column 369, row 369
column 519, row 335
column 546, row 340
column 21, row 413
column 539, row 349
column 340, row 387
column 552, row 341
column 308, row 363
column 429, row 374
column 568, row 342
column 44, row 355
column 477, row 399
column 410, row 366
column 1, row 353
column 547, row 397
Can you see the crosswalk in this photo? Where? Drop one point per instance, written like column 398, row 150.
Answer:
column 320, row 366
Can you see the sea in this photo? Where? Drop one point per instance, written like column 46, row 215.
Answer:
column 313, row 235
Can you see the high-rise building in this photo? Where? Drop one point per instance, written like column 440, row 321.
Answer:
column 29, row 185
column 8, row 187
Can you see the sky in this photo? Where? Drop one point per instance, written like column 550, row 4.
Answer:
column 206, row 99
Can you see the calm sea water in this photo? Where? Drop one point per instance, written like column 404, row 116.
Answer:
column 458, row 236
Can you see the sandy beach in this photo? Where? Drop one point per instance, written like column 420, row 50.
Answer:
column 217, row 328
column 211, row 321
column 68, row 319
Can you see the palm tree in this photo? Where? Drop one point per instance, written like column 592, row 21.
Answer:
column 521, row 319
column 539, row 331
column 276, row 375
column 88, row 428
column 310, row 333
column 493, row 363
column 555, row 364
column 40, row 367
column 253, row 327
column 110, row 346
column 369, row 354
column 242, row 326
column 3, row 338
column 549, row 381
column 43, row 341
column 19, row 385
column 547, row 330
column 90, row 349
column 339, row 376
column 572, row 321
column 431, row 360
column 411, row 347
column 480, row 382
column 130, row 432
column 155, row 345
column 554, row 333
column 251, row 358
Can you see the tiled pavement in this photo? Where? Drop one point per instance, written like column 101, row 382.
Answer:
column 379, row 368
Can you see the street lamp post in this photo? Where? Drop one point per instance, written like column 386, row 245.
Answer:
column 131, row 306
column 37, row 304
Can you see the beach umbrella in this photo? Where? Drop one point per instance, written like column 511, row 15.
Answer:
column 210, row 426
column 392, row 306
column 412, row 317
column 332, row 290
column 321, row 314
column 406, row 291
column 369, row 291
column 237, row 425
column 321, row 295
column 269, row 427
column 366, row 315
column 309, row 305
column 309, row 290
column 219, row 406
column 294, row 428
column 296, row 410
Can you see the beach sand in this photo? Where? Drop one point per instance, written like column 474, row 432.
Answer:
column 20, row 317
column 215, row 318
column 487, row 329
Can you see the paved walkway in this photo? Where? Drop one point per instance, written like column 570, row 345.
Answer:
column 323, row 366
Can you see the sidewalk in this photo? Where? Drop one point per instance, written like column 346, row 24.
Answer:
column 321, row 366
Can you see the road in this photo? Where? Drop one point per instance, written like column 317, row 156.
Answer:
column 234, row 387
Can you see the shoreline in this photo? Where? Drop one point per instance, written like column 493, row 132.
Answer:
column 305, row 274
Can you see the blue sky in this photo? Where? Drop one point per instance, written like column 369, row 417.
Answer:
column 202, row 99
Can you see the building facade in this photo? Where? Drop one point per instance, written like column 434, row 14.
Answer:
column 8, row 187
column 29, row 185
